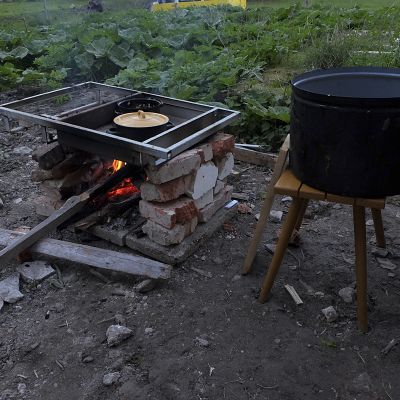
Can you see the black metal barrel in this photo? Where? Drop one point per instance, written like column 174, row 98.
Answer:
column 345, row 131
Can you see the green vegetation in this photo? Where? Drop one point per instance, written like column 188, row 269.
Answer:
column 241, row 59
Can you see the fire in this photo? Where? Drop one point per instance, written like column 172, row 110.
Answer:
column 126, row 187
column 116, row 165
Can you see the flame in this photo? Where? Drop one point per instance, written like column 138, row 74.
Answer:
column 116, row 165
column 126, row 187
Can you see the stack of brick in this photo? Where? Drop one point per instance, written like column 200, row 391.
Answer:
column 187, row 190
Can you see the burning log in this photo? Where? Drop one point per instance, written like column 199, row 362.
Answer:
column 72, row 206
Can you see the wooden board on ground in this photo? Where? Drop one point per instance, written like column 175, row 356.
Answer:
column 93, row 256
column 254, row 157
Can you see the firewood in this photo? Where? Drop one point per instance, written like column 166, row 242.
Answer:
column 48, row 155
column 70, row 164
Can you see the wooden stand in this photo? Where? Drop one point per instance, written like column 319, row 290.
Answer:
column 266, row 207
column 289, row 185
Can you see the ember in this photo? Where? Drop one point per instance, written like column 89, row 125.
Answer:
column 126, row 187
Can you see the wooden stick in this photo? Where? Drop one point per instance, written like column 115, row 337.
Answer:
column 361, row 266
column 295, row 296
column 93, row 256
column 378, row 225
column 266, row 207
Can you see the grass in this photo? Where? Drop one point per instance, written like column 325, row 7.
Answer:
column 369, row 4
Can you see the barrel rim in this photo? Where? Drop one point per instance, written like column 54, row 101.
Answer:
column 346, row 100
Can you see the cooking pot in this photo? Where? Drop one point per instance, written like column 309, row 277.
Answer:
column 140, row 125
column 138, row 103
column 345, row 131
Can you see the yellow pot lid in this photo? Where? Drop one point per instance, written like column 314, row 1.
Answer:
column 141, row 119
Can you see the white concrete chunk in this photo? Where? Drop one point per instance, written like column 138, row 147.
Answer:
column 220, row 200
column 35, row 271
column 205, row 199
column 219, row 186
column 9, row 289
column 204, row 180
column 225, row 166
column 206, row 152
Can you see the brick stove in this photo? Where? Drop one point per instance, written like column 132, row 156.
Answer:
column 185, row 170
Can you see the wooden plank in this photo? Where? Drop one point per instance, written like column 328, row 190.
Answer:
column 288, row 184
column 307, row 192
column 334, row 198
column 371, row 203
column 255, row 157
column 93, row 256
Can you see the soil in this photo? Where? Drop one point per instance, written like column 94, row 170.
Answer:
column 209, row 337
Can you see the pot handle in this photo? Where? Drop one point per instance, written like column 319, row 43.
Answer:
column 141, row 114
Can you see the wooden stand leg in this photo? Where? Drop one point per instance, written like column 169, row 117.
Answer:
column 301, row 214
column 266, row 207
column 361, row 266
column 281, row 246
column 378, row 224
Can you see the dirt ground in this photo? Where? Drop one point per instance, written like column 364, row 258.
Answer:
column 209, row 337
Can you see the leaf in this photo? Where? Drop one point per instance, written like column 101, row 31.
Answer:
column 120, row 56
column 84, row 61
column 16, row 53
column 100, row 47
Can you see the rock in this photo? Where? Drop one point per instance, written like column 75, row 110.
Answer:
column 35, row 271
column 148, row 331
column 9, row 289
column 146, row 285
column 277, row 341
column 362, row 383
column 21, row 388
column 17, row 201
column 1, row 304
column 22, row 150
column 369, row 222
column 202, row 342
column 87, row 359
column 218, row 260
column 337, row 206
column 236, row 278
column 347, row 294
column 330, row 313
column 286, row 199
column 386, row 264
column 243, row 208
column 275, row 216
column 116, row 334
column 111, row 378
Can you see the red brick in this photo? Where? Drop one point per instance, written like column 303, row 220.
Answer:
column 166, row 191
column 222, row 144
column 171, row 213
column 182, row 164
column 167, row 237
